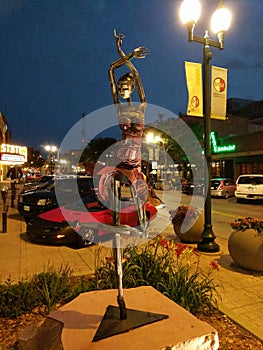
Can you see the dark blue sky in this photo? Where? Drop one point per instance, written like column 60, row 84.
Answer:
column 55, row 55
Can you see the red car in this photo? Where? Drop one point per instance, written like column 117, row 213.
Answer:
column 84, row 222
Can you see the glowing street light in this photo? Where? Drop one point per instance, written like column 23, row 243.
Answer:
column 190, row 11
column 151, row 138
column 51, row 149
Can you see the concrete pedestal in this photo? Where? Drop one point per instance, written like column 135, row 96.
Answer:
column 181, row 330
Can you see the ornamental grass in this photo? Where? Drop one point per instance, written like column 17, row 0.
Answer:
column 171, row 268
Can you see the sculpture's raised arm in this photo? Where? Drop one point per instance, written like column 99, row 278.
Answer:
column 129, row 80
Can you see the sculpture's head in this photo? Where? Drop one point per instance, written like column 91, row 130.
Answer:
column 126, row 85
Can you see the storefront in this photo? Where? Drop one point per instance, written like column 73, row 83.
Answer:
column 238, row 154
column 12, row 157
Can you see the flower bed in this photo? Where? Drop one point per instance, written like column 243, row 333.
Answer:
column 245, row 243
column 171, row 268
column 188, row 223
column 243, row 224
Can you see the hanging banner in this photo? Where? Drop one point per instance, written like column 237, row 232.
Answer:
column 219, row 93
column 193, row 72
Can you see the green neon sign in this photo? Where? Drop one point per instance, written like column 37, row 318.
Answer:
column 220, row 149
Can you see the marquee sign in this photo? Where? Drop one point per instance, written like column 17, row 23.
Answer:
column 13, row 154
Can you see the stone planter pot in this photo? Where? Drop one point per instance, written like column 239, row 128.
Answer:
column 246, row 249
column 193, row 230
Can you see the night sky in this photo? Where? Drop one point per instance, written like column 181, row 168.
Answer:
column 55, row 55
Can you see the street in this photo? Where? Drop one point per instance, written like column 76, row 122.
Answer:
column 224, row 211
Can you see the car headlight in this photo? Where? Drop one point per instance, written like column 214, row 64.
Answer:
column 41, row 202
column 46, row 201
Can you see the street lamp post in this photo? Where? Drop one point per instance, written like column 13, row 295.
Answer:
column 220, row 22
column 51, row 150
column 154, row 152
column 153, row 140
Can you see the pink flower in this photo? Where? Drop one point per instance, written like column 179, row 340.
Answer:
column 180, row 248
column 164, row 243
column 109, row 258
column 214, row 265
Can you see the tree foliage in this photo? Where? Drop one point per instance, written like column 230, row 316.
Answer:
column 34, row 158
column 95, row 148
column 172, row 133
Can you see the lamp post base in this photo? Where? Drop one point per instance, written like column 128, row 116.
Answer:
column 207, row 243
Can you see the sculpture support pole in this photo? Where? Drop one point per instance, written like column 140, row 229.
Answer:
column 120, row 297
column 117, row 247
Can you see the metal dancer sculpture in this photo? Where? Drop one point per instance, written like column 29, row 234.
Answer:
column 131, row 121
column 128, row 156
column 128, row 170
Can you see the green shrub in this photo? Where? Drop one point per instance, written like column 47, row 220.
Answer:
column 171, row 268
column 17, row 299
column 54, row 286
column 46, row 288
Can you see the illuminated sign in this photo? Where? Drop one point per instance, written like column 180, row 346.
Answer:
column 220, row 149
column 13, row 154
column 154, row 165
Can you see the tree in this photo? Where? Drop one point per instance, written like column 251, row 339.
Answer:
column 173, row 129
column 95, row 148
column 34, row 158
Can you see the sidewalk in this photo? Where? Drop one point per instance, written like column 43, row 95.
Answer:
column 20, row 258
column 241, row 291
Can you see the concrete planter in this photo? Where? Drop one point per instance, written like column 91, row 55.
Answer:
column 246, row 249
column 190, row 232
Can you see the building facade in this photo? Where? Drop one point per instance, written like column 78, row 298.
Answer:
column 12, row 156
column 238, row 154
column 237, row 142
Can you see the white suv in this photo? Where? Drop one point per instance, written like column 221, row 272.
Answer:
column 249, row 187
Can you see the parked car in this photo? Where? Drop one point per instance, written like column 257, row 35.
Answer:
column 197, row 187
column 162, row 184
column 83, row 222
column 222, row 187
column 37, row 201
column 249, row 187
column 41, row 183
column 33, row 176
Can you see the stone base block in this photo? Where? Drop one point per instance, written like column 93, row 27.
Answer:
column 180, row 331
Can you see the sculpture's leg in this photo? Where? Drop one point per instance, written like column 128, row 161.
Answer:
column 117, row 247
column 138, row 203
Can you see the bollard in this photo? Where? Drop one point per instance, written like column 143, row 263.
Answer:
column 4, row 191
column 4, row 219
column 13, row 193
